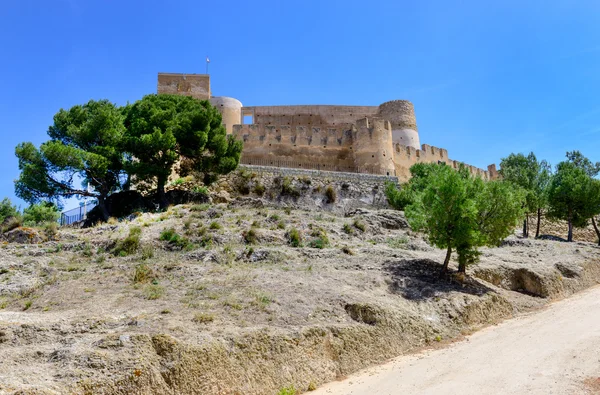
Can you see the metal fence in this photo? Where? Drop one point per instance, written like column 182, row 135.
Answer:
column 316, row 166
column 75, row 215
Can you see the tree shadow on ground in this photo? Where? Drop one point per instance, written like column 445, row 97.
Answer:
column 421, row 279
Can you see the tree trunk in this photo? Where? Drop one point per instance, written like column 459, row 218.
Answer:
column 462, row 267
column 160, row 191
column 447, row 260
column 525, row 227
column 539, row 220
column 570, row 221
column 102, row 206
column 596, row 229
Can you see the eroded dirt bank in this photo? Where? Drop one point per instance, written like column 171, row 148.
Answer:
column 227, row 313
column 553, row 351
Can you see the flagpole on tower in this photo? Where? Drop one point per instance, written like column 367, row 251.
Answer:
column 207, row 62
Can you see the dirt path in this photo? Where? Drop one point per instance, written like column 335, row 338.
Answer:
column 554, row 351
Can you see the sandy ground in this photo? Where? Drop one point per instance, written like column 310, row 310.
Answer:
column 553, row 351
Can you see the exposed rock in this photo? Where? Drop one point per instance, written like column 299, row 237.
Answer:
column 23, row 235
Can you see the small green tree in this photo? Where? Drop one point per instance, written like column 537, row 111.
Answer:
column 533, row 177
column 462, row 212
column 161, row 129
column 7, row 209
column 84, row 144
column 40, row 213
column 569, row 196
column 591, row 190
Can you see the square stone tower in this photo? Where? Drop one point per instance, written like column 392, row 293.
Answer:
column 195, row 85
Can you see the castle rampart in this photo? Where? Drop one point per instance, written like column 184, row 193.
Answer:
column 380, row 139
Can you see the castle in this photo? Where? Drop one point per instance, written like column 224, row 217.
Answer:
column 380, row 139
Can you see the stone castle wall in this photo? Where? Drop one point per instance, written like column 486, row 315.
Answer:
column 380, row 139
column 365, row 147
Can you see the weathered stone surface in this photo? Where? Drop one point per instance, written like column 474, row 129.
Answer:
column 23, row 235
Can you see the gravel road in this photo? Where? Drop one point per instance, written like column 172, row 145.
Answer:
column 553, row 351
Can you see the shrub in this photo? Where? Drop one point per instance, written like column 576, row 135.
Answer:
column 259, row 189
column 360, row 225
column 291, row 390
column 399, row 242
column 200, row 207
column 147, row 252
column 294, row 237
column 7, row 210
column 130, row 244
column 40, row 213
column 250, row 236
column 50, row 230
column 280, row 225
column 348, row 229
column 202, row 190
column 11, row 223
column 215, row 225
column 203, row 318
column 174, row 239
column 178, row 182
column 320, row 238
column 288, row 189
column 153, row 291
column 142, row 274
column 330, row 194
column 287, row 210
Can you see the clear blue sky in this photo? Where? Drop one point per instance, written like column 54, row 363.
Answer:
column 487, row 78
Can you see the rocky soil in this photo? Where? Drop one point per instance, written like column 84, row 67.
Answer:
column 229, row 306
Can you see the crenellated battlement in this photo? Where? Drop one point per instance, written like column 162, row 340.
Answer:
column 381, row 139
column 295, row 136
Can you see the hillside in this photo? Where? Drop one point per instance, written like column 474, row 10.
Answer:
column 226, row 304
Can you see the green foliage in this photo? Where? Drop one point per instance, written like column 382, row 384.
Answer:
column 7, row 209
column 250, row 236
column 580, row 161
column 330, row 194
column 200, row 207
column 202, row 190
column 142, row 274
column 130, row 244
column 153, row 291
column 39, row 213
column 573, row 196
column 11, row 223
column 348, row 229
column 203, row 318
column 259, row 189
column 399, row 242
column 287, row 189
column 320, row 239
column 360, row 225
column 294, row 237
column 462, row 212
column 291, row 390
column 85, row 143
column 215, row 226
column 50, row 230
column 532, row 176
column 164, row 128
column 400, row 198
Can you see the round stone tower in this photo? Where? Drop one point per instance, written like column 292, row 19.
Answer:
column 230, row 109
column 401, row 114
